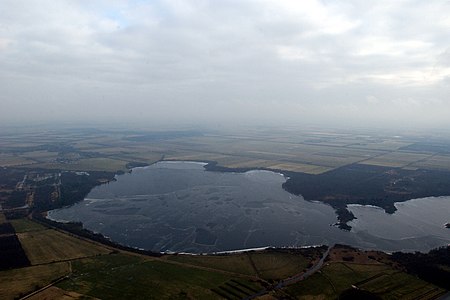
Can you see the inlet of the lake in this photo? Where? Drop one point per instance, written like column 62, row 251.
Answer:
column 180, row 207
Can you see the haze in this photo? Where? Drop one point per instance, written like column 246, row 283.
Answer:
column 215, row 62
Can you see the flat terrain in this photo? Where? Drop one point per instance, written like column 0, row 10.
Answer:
column 48, row 245
column 127, row 277
column 32, row 173
column 307, row 150
column 18, row 282
column 268, row 264
column 335, row 278
column 351, row 271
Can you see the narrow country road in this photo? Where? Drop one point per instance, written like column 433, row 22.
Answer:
column 295, row 278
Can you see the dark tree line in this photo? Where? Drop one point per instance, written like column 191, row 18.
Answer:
column 12, row 254
column 428, row 266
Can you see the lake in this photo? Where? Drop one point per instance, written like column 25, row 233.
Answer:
column 180, row 207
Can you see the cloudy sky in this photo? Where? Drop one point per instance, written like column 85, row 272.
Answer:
column 359, row 62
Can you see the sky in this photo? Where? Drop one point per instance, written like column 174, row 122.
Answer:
column 361, row 63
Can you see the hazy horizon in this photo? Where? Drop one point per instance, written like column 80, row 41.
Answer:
column 212, row 63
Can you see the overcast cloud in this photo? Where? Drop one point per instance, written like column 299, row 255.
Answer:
column 365, row 62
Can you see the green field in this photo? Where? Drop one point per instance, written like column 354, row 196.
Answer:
column 239, row 263
column 126, row 277
column 380, row 280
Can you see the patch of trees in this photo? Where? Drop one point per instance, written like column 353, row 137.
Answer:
column 73, row 188
column 15, row 199
column 344, row 216
column 6, row 228
column 42, row 197
column 10, row 177
column 368, row 185
column 428, row 266
column 357, row 294
column 11, row 253
column 15, row 213
column 214, row 167
column 135, row 164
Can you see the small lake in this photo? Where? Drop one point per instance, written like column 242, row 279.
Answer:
column 178, row 206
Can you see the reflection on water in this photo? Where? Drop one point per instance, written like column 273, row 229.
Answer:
column 177, row 206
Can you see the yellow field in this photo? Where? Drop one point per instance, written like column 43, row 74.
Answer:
column 56, row 293
column 308, row 150
column 7, row 160
column 19, row 282
column 49, row 245
column 25, row 225
column 2, row 218
column 298, row 167
column 278, row 266
column 190, row 156
column 389, row 145
column 87, row 164
column 147, row 157
column 436, row 162
column 239, row 263
column 40, row 155
column 266, row 265
column 396, row 159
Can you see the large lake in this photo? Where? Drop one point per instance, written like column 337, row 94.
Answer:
column 178, row 206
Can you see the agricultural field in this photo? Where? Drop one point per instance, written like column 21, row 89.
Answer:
column 49, row 245
column 435, row 162
column 399, row 159
column 276, row 266
column 86, row 164
column 310, row 151
column 315, row 160
column 25, row 225
column 8, row 160
column 336, row 278
column 267, row 265
column 19, row 282
column 239, row 263
column 121, row 276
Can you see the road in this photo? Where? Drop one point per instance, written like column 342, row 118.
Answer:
column 293, row 279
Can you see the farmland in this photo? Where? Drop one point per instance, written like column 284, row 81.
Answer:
column 19, row 282
column 49, row 245
column 310, row 151
column 51, row 168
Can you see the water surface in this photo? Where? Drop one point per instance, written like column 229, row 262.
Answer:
column 178, row 206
